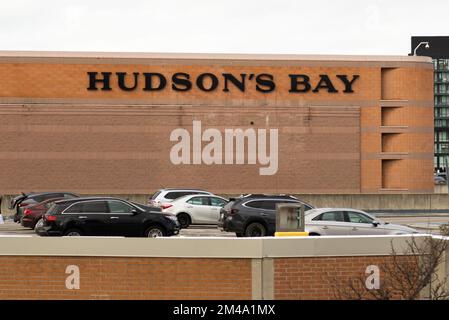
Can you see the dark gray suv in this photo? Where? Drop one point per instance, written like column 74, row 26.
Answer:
column 253, row 215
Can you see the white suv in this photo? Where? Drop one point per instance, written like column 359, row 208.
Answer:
column 168, row 195
column 196, row 209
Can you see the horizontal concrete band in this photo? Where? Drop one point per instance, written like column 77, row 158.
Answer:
column 214, row 59
column 204, row 247
column 397, row 155
column 14, row 104
column 396, row 129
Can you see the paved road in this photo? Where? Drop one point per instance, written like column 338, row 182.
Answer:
column 11, row 228
column 423, row 223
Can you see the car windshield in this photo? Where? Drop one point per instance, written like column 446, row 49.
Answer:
column 144, row 207
column 154, row 196
column 229, row 204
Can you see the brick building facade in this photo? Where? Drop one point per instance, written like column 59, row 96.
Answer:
column 101, row 123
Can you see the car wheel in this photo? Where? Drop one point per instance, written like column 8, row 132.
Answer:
column 154, row 232
column 313, row 234
column 39, row 224
column 73, row 233
column 255, row 229
column 184, row 220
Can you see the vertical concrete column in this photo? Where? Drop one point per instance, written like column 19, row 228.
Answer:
column 256, row 279
column 262, row 279
column 267, row 279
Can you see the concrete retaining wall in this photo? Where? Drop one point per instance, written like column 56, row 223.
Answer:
column 191, row 268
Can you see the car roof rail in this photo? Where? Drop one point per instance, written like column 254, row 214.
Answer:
column 264, row 195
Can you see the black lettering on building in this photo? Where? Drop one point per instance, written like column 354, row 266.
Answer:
column 239, row 83
column 325, row 83
column 200, row 82
column 93, row 80
column 348, row 84
column 265, row 83
column 150, row 86
column 299, row 83
column 122, row 83
column 181, row 82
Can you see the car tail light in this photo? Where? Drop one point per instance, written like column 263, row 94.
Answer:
column 50, row 218
column 233, row 211
column 166, row 206
column 27, row 212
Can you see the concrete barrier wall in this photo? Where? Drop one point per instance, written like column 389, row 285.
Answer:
column 189, row 268
column 381, row 201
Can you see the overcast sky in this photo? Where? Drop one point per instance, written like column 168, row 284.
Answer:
column 226, row 26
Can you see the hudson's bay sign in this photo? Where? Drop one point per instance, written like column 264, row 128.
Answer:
column 226, row 82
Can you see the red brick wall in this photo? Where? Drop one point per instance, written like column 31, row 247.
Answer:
column 125, row 278
column 127, row 150
column 23, row 277
column 315, row 278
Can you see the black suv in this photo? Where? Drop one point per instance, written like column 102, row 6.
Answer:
column 26, row 199
column 253, row 215
column 97, row 216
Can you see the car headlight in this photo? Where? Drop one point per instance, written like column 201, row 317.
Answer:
column 171, row 217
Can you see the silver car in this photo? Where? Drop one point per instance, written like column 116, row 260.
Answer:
column 344, row 221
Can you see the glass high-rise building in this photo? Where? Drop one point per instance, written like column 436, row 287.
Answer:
column 441, row 98
column 438, row 49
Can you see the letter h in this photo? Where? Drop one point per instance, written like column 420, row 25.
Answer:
column 93, row 81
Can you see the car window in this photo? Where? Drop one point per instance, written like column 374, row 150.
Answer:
column 53, row 195
column 54, row 208
column 119, row 207
column 76, row 208
column 89, row 207
column 49, row 204
column 307, row 207
column 44, row 197
column 154, row 196
column 356, row 217
column 175, row 195
column 69, row 195
column 199, row 201
column 270, row 204
column 330, row 216
column 37, row 198
column 217, row 202
column 256, row 204
column 178, row 194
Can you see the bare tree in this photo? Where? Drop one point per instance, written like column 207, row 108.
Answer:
column 405, row 275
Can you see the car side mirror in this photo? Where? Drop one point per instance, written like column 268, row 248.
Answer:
column 376, row 223
column 134, row 212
